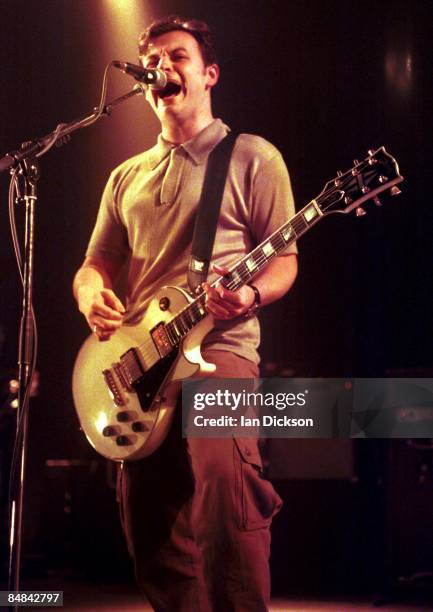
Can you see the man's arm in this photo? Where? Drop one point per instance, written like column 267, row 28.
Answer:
column 273, row 282
column 95, row 297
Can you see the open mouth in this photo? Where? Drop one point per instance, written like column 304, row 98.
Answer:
column 171, row 89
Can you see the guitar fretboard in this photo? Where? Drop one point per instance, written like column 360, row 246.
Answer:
column 246, row 269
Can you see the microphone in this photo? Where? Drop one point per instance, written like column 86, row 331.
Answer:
column 156, row 78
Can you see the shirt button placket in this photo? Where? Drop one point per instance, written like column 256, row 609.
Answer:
column 172, row 178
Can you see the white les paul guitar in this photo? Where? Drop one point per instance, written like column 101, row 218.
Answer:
column 125, row 390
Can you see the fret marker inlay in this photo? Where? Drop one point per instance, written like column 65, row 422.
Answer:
column 310, row 213
column 268, row 249
column 287, row 232
column 251, row 264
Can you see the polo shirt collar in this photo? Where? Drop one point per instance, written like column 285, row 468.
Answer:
column 159, row 152
column 198, row 148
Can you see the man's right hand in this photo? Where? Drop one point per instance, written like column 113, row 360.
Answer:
column 103, row 310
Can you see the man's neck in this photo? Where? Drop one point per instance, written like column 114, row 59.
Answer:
column 178, row 132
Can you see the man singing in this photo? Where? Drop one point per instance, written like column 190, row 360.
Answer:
column 197, row 512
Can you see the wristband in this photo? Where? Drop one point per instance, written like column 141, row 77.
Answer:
column 255, row 306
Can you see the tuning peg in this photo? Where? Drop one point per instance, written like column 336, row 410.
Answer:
column 377, row 201
column 382, row 179
column 360, row 212
column 395, row 191
column 355, row 172
column 337, row 181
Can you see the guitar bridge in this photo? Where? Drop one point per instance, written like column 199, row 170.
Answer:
column 122, row 376
column 112, row 388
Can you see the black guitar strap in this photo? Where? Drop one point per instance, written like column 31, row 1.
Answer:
column 208, row 211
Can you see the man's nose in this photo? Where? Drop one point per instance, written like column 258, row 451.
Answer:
column 164, row 62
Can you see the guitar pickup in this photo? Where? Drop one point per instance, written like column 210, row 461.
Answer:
column 161, row 340
column 132, row 367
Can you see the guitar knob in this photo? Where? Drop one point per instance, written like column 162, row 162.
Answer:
column 395, row 191
column 122, row 441
column 138, row 426
column 164, row 303
column 108, row 431
column 122, row 417
column 360, row 212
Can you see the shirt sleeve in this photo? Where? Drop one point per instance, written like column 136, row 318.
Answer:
column 109, row 238
column 272, row 198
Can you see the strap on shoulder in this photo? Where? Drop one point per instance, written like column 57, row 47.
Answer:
column 208, row 211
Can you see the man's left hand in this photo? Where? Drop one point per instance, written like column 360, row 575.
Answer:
column 226, row 304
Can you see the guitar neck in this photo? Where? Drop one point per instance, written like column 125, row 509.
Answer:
column 346, row 192
column 244, row 270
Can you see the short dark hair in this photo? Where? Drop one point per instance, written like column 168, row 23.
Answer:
column 199, row 29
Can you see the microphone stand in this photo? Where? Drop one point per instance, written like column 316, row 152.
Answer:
column 25, row 162
column 36, row 147
column 30, row 170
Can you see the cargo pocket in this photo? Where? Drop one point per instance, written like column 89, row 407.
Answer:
column 257, row 501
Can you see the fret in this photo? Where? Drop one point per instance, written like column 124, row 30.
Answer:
column 201, row 304
column 171, row 334
column 299, row 224
column 236, row 277
column 179, row 324
column 177, row 335
column 187, row 315
column 245, row 273
column 195, row 313
column 278, row 241
column 178, row 327
column 198, row 307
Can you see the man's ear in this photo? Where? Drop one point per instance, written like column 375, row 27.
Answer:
column 213, row 73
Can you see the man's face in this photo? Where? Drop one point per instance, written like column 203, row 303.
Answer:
column 189, row 80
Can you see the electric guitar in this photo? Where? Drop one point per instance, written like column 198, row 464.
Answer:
column 125, row 390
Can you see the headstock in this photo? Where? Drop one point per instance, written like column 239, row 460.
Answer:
column 378, row 172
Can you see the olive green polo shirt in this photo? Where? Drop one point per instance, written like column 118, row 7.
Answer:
column 148, row 210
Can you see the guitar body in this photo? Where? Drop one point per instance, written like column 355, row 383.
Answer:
column 130, row 424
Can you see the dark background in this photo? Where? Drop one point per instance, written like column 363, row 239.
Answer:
column 324, row 81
